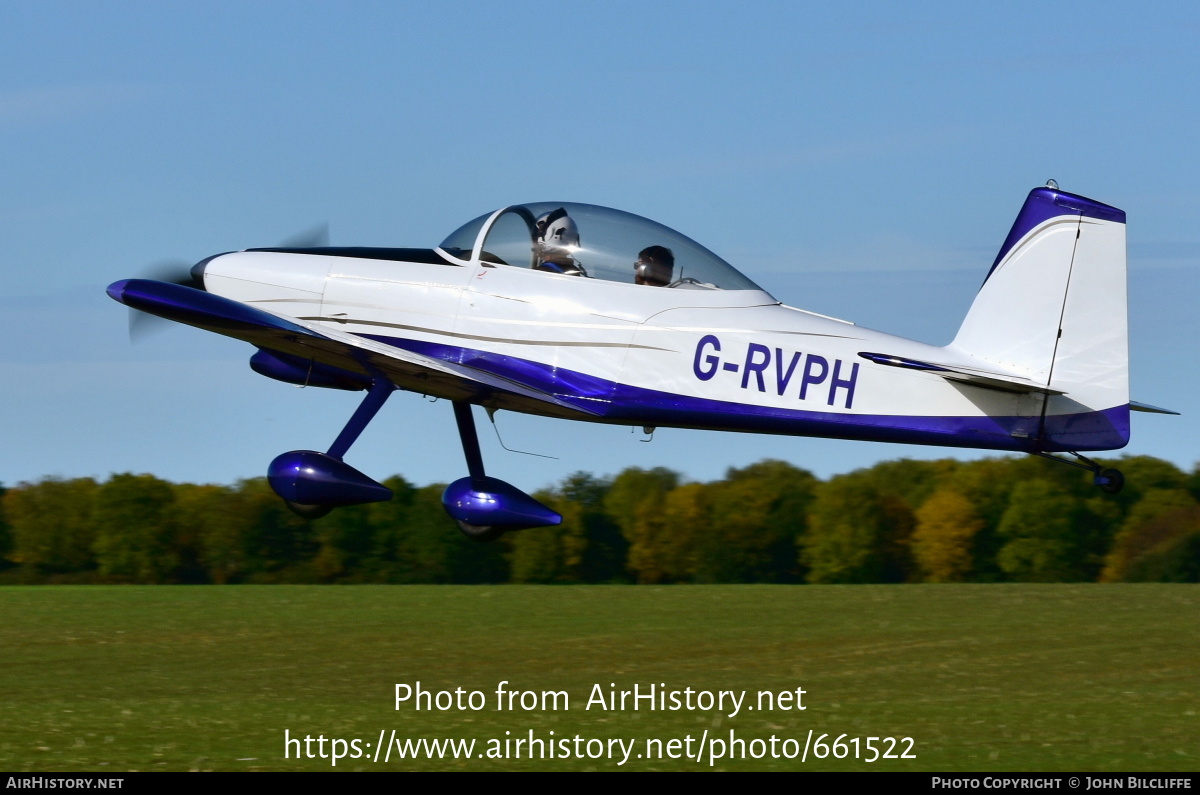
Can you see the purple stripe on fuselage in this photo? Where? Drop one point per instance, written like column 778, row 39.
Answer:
column 1065, row 432
column 1102, row 430
column 1042, row 204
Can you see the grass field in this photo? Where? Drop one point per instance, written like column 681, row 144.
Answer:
column 983, row 678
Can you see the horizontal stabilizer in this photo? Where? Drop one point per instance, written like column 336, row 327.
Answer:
column 1146, row 407
column 987, row 379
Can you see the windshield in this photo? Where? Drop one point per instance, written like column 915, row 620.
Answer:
column 599, row 243
column 462, row 240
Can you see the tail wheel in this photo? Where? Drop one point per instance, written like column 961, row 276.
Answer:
column 1110, row 481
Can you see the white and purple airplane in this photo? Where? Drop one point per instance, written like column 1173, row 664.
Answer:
column 588, row 313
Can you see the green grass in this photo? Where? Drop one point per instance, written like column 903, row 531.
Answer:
column 1000, row 677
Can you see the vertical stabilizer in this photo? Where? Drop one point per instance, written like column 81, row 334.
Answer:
column 1053, row 309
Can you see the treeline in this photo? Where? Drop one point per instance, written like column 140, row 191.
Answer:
column 993, row 520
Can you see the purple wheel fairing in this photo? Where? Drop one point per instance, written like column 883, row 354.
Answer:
column 491, row 503
column 307, row 477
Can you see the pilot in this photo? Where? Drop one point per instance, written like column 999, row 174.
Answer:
column 655, row 266
column 557, row 242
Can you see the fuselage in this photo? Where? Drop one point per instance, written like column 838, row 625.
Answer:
column 544, row 308
column 735, row 360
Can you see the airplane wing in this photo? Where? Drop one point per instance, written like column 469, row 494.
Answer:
column 1005, row 382
column 406, row 369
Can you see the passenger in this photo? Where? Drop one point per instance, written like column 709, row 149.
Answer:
column 655, row 266
column 557, row 242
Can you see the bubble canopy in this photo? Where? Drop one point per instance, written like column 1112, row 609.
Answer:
column 608, row 246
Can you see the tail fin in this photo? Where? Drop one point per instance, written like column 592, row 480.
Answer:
column 1053, row 308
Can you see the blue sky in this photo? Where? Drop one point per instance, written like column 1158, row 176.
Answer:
column 863, row 161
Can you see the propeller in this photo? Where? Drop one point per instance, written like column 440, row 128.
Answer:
column 316, row 237
column 176, row 271
column 181, row 272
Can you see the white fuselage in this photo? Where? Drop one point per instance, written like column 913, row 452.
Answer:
column 722, row 359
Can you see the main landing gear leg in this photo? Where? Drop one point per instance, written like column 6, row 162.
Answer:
column 486, row 508
column 1109, row 480
column 313, row 484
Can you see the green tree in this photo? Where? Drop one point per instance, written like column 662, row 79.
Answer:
column 6, row 538
column 1156, row 527
column 606, row 550
column 551, row 554
column 1193, row 482
column 986, row 483
column 1143, row 475
column 632, row 487
column 909, row 480
column 635, row 502
column 856, row 534
column 211, row 527
column 52, row 524
column 1038, row 528
column 586, row 547
column 279, row 546
column 430, row 548
column 134, row 534
column 942, row 541
column 649, row 533
column 347, row 538
column 671, row 533
column 1171, row 549
column 194, row 515
column 756, row 517
column 386, row 561
column 585, row 489
column 1144, row 472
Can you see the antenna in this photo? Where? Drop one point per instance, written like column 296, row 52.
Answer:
column 492, row 417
